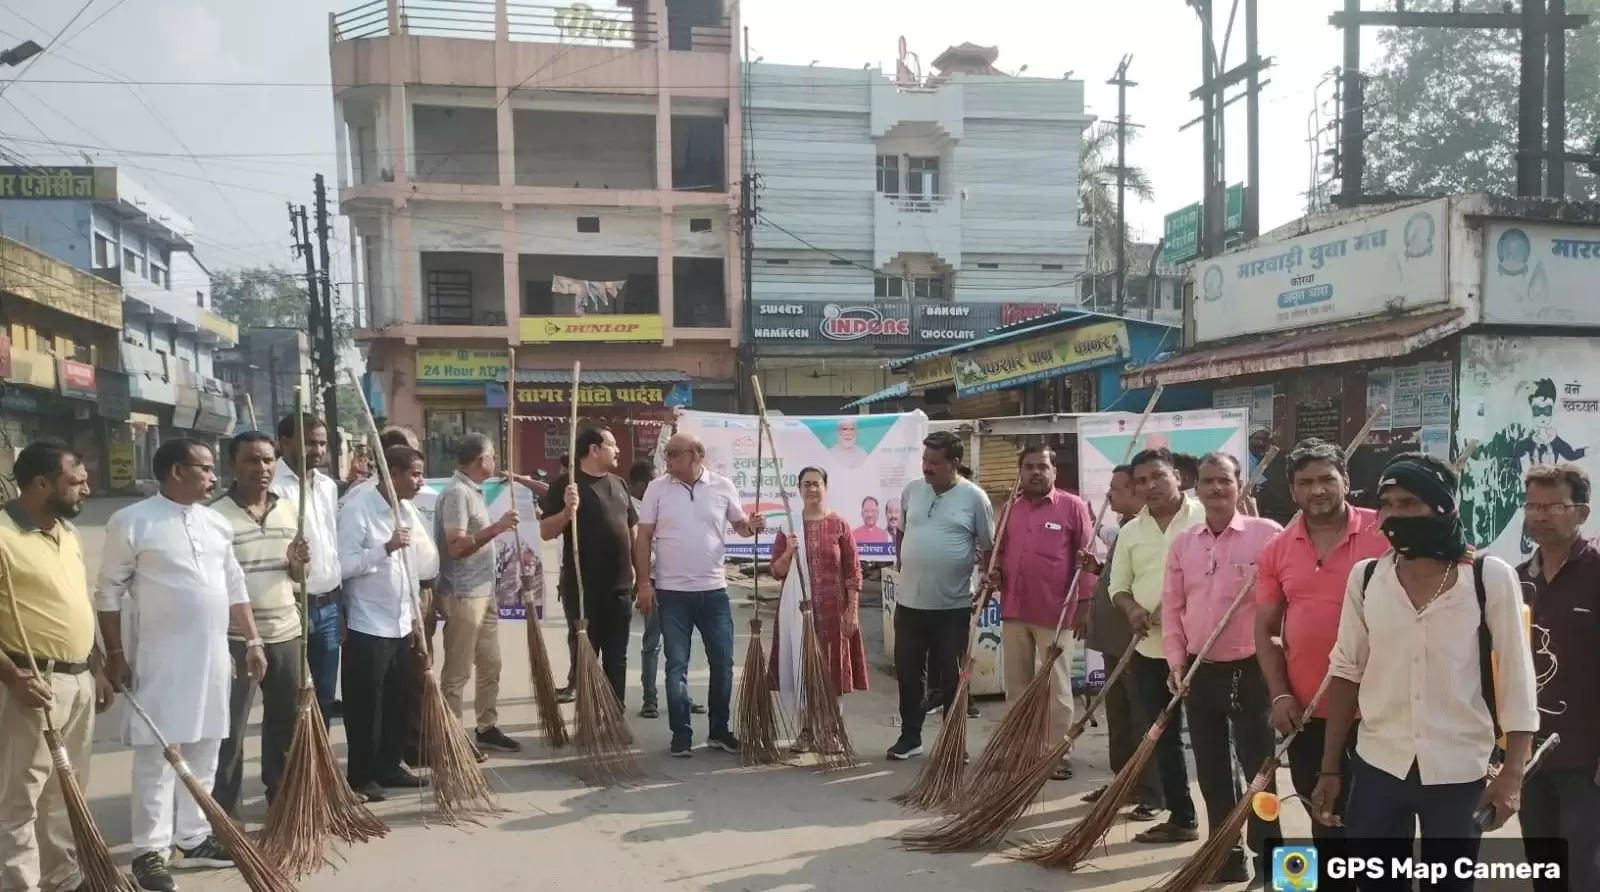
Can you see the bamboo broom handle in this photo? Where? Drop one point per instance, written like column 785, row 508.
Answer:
column 22, row 632
column 572, row 480
column 755, row 541
column 1099, row 517
column 302, row 592
column 788, row 507
column 510, row 460
column 250, row 408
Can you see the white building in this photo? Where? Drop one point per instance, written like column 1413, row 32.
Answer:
column 889, row 199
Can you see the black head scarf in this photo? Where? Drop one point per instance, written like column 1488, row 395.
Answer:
column 1440, row 535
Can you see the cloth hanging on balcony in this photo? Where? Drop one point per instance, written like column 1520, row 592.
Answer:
column 593, row 297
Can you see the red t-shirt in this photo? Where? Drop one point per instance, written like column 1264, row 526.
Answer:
column 1288, row 572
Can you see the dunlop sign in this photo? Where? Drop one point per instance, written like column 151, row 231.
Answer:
column 1046, row 356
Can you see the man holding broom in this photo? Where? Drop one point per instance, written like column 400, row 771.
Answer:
column 1300, row 593
column 323, row 580
column 1048, row 528
column 48, row 591
column 1206, row 566
column 170, row 560
column 273, row 559
column 1137, row 579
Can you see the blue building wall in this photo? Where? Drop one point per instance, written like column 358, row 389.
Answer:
column 60, row 229
column 1148, row 342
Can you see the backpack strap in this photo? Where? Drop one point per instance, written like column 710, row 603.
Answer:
column 1366, row 576
column 1485, row 645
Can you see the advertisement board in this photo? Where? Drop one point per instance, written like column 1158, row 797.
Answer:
column 1103, row 441
column 918, row 323
column 869, row 459
column 1045, row 356
column 599, row 328
column 1382, row 264
column 1541, row 274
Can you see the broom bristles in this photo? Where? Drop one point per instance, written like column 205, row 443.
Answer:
column 1070, row 850
column 100, row 873
column 940, row 779
column 544, row 685
column 1023, row 734
column 351, row 820
column 460, row 792
column 821, row 703
column 605, row 743
column 986, row 821
column 260, row 874
column 758, row 719
column 1203, row 865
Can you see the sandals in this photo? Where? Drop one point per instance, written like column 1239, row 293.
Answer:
column 1062, row 772
column 802, row 743
column 1169, row 833
column 1095, row 795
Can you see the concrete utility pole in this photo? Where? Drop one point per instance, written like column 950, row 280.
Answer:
column 1121, row 82
column 1535, row 22
column 328, row 360
column 300, row 231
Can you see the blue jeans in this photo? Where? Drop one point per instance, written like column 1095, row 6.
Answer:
column 1385, row 810
column 682, row 613
column 649, row 654
column 322, row 653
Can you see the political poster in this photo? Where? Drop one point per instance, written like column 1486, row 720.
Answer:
column 1525, row 401
column 868, row 458
column 513, row 596
column 1103, row 441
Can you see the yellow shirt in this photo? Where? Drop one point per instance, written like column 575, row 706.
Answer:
column 51, row 588
column 1141, row 564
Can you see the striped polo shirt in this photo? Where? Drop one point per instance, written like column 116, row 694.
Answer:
column 262, row 549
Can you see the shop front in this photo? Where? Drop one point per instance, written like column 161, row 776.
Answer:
column 636, row 405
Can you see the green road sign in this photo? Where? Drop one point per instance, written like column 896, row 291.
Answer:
column 1182, row 227
column 1233, row 216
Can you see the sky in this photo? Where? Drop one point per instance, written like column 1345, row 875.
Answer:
column 229, row 157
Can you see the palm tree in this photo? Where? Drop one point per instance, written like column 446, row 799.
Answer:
column 1097, row 191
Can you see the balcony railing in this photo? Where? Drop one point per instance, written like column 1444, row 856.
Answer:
column 575, row 23
column 918, row 204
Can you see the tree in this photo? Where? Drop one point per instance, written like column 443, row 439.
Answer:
column 1097, row 191
column 1442, row 107
column 261, row 297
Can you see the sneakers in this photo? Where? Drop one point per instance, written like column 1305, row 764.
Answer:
column 725, row 742
column 208, row 853
column 904, row 749
column 566, row 694
column 150, row 872
column 681, row 749
column 649, row 711
column 931, row 704
column 403, row 779
column 495, row 739
column 696, row 708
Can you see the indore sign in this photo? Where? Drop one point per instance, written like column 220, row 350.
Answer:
column 1043, row 356
column 877, row 323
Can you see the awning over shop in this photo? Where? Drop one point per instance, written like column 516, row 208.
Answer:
column 1375, row 340
column 892, row 392
column 1009, row 333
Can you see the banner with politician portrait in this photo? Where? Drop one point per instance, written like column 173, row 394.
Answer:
column 868, row 459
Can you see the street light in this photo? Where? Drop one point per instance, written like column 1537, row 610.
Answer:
column 20, row 53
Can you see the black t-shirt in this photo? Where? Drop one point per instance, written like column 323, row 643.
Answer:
column 605, row 529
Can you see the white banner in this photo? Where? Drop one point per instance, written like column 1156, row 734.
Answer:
column 1391, row 261
column 1103, row 441
column 1541, row 274
column 869, row 459
column 513, row 605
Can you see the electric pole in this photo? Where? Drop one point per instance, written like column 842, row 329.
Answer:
column 1535, row 147
column 327, row 360
column 1121, row 82
column 300, row 231
column 1215, row 80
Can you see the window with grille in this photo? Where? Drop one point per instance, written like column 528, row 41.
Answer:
column 449, row 297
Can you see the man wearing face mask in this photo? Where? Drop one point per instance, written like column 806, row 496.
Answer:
column 1411, row 620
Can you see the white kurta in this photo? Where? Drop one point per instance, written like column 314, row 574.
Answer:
column 171, row 571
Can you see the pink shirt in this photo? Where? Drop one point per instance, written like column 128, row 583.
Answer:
column 1312, row 591
column 1039, row 554
column 1204, row 573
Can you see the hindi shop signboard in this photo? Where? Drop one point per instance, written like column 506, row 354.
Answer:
column 1044, row 356
column 1389, row 262
column 1541, row 274
column 869, row 460
column 58, row 183
column 872, row 323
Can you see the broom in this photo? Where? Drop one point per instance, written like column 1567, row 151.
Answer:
column 314, row 800
column 605, row 744
column 459, row 790
column 758, row 718
column 259, row 873
column 1070, row 850
column 939, row 782
column 100, row 873
column 1203, row 864
column 544, row 685
column 1025, row 731
column 819, row 703
column 985, row 821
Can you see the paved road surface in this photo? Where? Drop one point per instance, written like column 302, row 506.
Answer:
column 693, row 824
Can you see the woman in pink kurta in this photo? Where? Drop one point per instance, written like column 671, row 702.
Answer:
column 833, row 579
